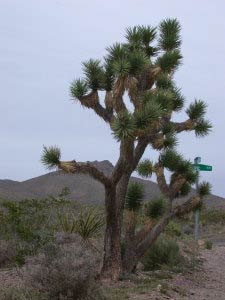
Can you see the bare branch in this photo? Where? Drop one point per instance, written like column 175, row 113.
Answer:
column 187, row 206
column 92, row 101
column 85, row 168
column 161, row 180
column 175, row 185
column 183, row 126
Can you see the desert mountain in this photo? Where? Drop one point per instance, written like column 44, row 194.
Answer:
column 83, row 188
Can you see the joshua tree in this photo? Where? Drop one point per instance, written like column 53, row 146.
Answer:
column 140, row 101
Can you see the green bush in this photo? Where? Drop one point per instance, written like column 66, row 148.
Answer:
column 213, row 216
column 173, row 228
column 163, row 252
column 208, row 244
column 14, row 293
column 29, row 224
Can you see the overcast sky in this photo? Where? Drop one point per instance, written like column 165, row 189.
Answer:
column 42, row 45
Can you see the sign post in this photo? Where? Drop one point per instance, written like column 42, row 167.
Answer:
column 199, row 167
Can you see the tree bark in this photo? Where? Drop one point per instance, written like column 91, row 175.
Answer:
column 114, row 200
column 140, row 249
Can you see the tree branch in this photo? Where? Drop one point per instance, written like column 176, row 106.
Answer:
column 124, row 164
column 161, row 180
column 183, row 126
column 176, row 185
column 92, row 101
column 85, row 168
column 187, row 206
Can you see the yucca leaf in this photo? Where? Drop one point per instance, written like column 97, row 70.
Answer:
column 94, row 74
column 151, row 112
column 123, row 126
column 169, row 38
column 116, row 52
column 171, row 159
column 145, row 168
column 155, row 208
column 203, row 128
column 204, row 189
column 121, row 67
column 163, row 81
column 51, row 156
column 179, row 100
column 185, row 189
column 196, row 110
column 134, row 197
column 78, row 88
column 169, row 61
column 138, row 61
column 170, row 141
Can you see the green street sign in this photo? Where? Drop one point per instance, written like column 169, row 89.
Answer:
column 201, row 167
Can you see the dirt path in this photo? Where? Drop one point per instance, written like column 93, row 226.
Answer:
column 210, row 282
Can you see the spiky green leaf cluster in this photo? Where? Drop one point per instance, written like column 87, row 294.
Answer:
column 163, row 81
column 165, row 99
column 51, row 157
column 94, row 74
column 178, row 100
column 169, row 61
column 141, row 37
column 155, row 208
column 204, row 189
column 145, row 168
column 170, row 141
column 109, row 76
column 203, row 128
column 167, row 128
column 89, row 223
column 138, row 61
column 123, row 126
column 196, row 110
column 134, row 197
column 121, row 67
column 151, row 112
column 78, row 88
column 171, row 159
column 175, row 162
column 169, row 38
column 185, row 189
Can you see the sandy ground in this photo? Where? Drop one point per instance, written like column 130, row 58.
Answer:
column 210, row 282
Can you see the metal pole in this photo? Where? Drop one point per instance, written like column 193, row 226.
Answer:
column 197, row 214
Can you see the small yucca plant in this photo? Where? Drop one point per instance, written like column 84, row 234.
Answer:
column 89, row 223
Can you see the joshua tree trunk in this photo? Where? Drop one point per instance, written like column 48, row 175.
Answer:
column 114, row 200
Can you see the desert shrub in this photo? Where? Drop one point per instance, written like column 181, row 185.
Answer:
column 163, row 252
column 13, row 293
column 7, row 252
column 173, row 228
column 66, row 270
column 213, row 216
column 29, row 224
column 208, row 244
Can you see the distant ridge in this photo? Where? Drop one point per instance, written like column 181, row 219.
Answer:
column 83, row 188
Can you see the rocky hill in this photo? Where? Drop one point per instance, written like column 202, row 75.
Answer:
column 83, row 188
